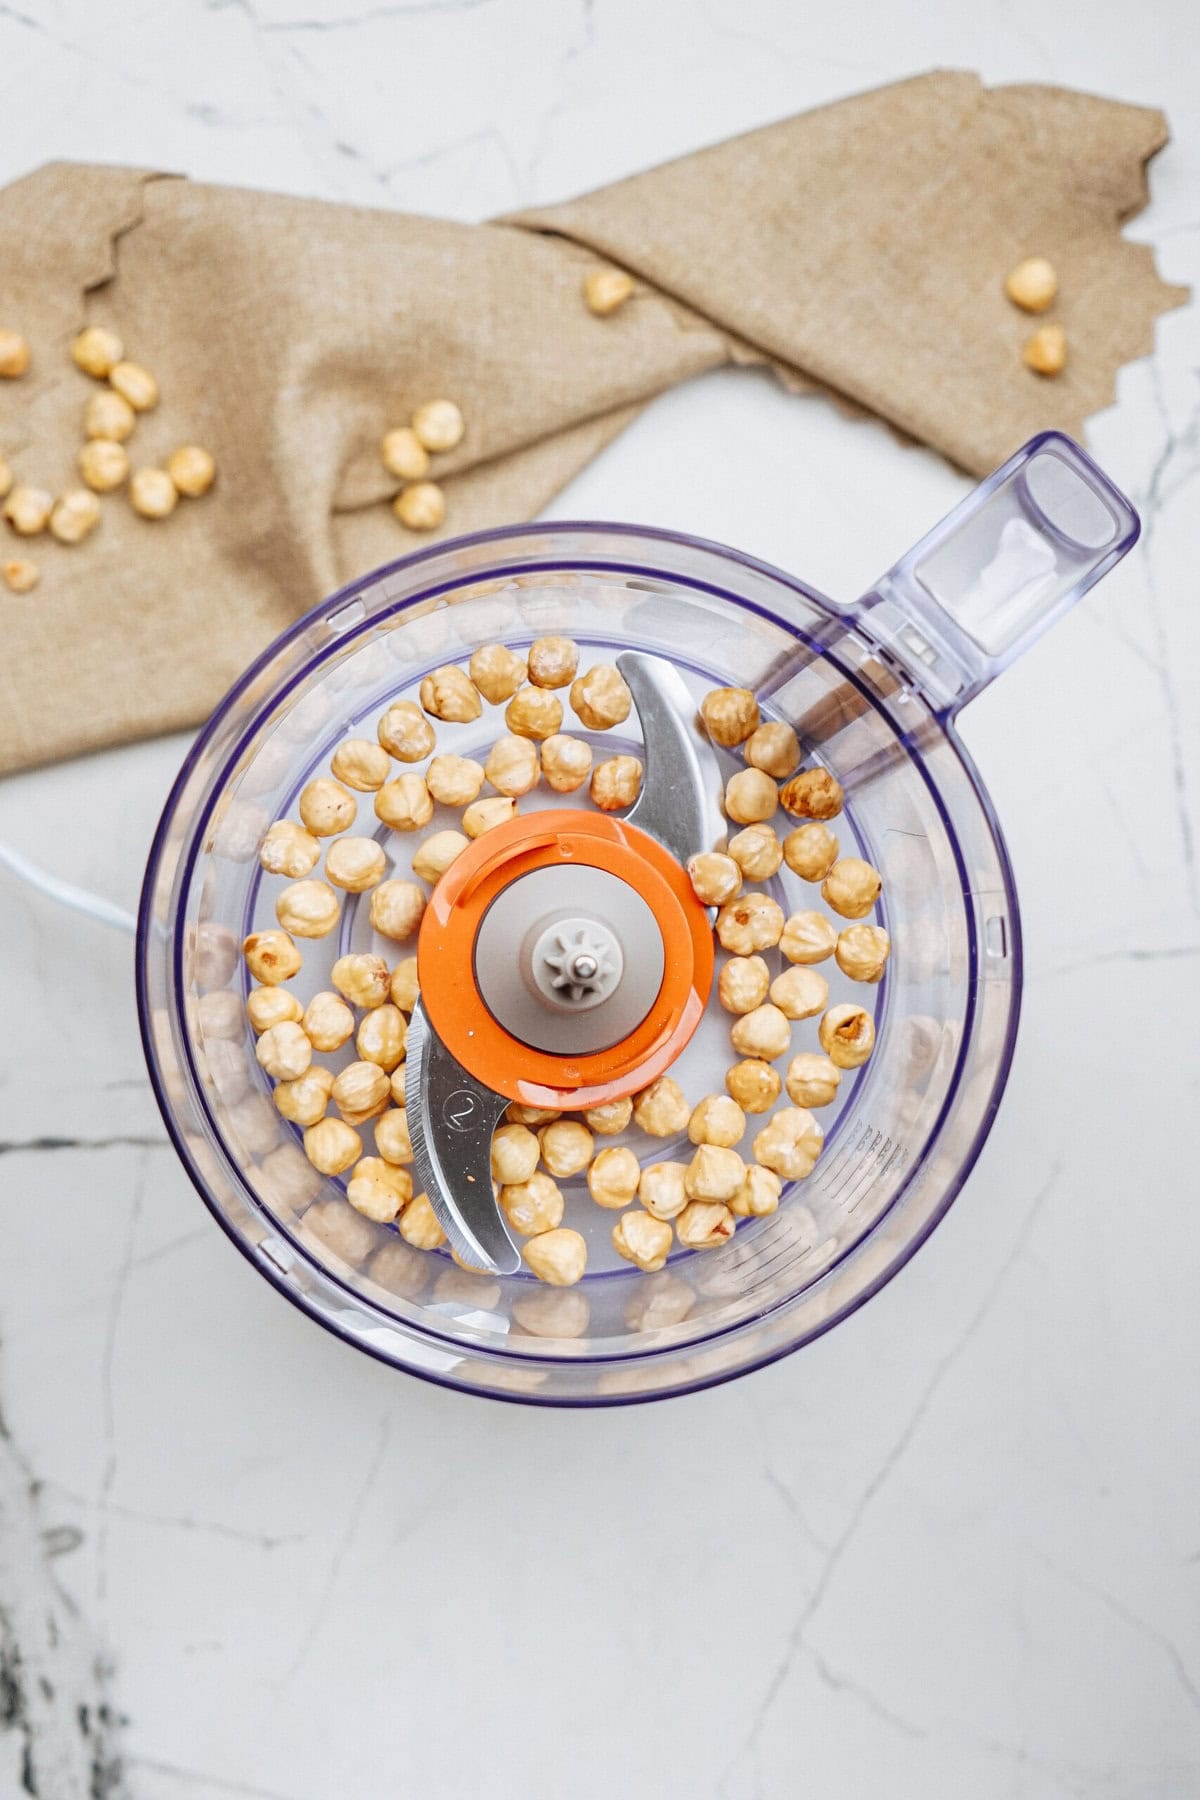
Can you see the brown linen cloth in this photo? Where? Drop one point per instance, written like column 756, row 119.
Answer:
column 860, row 249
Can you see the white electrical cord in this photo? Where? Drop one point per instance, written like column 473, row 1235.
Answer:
column 66, row 893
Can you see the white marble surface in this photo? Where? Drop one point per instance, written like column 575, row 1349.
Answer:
column 954, row 1548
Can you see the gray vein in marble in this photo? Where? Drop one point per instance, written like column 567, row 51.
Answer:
column 793, row 1507
column 798, row 1637
column 1168, row 953
column 842, row 1684
column 413, row 9
column 261, row 1540
column 107, row 1392
column 1135, row 1622
column 201, row 1778
column 11, row 1146
column 341, row 1551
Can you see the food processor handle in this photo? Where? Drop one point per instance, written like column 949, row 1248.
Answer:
column 997, row 571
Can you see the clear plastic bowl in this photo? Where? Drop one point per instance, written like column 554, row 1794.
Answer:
column 871, row 689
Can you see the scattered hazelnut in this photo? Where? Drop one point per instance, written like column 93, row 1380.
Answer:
column 613, row 1177
column 751, row 922
column 305, row 1101
column 660, row 1110
column 512, row 766
column 434, row 856
column 21, row 576
column 642, row 1240
column 103, row 464
column 552, row 662
column 421, row 507
column 28, row 510
column 382, row 1037
column 404, row 988
column 271, row 957
column 289, row 850
column 662, row 1190
column 607, row 290
column 532, row 1205
column 705, row 1224
column 718, row 1119
column 135, row 384
column 610, row 1118
column 800, row 993
column 419, row 1225
column 566, row 763
column 75, row 515
column 774, row 748
column 267, row 1006
column 377, row 1190
column 355, row 864
column 404, row 455
column 152, row 493
column 360, row 1091
column 14, row 354
column 361, row 978
column 284, row 1051
column 360, row 764
column 392, row 1139
column 107, row 415
column 515, row 1153
column 1032, row 285
column 326, row 807
column 1045, row 352
column 331, row 1146
column 308, row 909
column 192, row 470
column 438, row 425
column 757, row 852
column 790, row 1143
column 97, row 351
column 557, row 1257
column 404, row 804
column 396, row 909
column 567, row 1147
column 483, row 815
column 764, row 1033
column 328, row 1022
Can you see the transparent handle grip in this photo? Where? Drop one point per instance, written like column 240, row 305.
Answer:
column 1002, row 567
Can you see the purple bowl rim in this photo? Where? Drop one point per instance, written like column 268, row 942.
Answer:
column 515, row 536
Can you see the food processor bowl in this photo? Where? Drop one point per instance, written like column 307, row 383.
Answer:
column 871, row 688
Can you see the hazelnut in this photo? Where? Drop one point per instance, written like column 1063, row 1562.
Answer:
column 361, row 978
column 851, row 887
column 192, row 470
column 331, row 1146
column 660, row 1110
column 552, row 662
column 404, row 804
column 765, row 1033
column 662, row 1190
column 601, row 698
column 392, row 1138
column 810, row 851
column 308, row 909
column 1032, row 285
column 483, row 815
column 438, row 425
column 610, row 1118
column 396, row 909
column 807, row 937
column 328, row 1022
column 497, row 672
column 513, row 766
column 97, row 351
column 360, row 764
column 450, row 694
column 606, row 290
column 813, row 794
column 615, row 783
column 271, row 957
column 775, row 749
column 14, row 354
column 28, row 510
column 533, row 713
column 421, row 507
column 404, row 988
column 267, row 1006
column 360, row 1091
column 454, row 780
column 758, row 1194
column 326, row 807
column 284, row 1051
column 355, row 864
column 715, row 877
column 862, row 952
column 382, row 1038
column 406, row 732
column 613, row 1177
column 812, row 1080
column 152, row 493
column 751, row 922
column 515, row 1153
column 742, row 984
column 790, row 1143
column 419, row 1225
column 75, row 516
column 557, row 1257
column 106, row 415
column 567, row 1147
column 534, row 1204
column 377, row 1190
column 404, row 455
column 135, row 384
column 289, row 850
column 566, row 763
column 20, row 575
column 705, row 1224
column 434, row 856
column 643, row 1240
column 757, row 852
column 730, row 715
column 1046, row 351
column 754, row 1084
column 718, row 1119
column 800, row 993
column 847, row 1035
column 103, row 464
column 305, row 1100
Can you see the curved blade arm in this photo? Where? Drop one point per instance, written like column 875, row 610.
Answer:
column 679, row 804
column 451, row 1118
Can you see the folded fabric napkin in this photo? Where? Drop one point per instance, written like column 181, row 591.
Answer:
column 860, row 249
